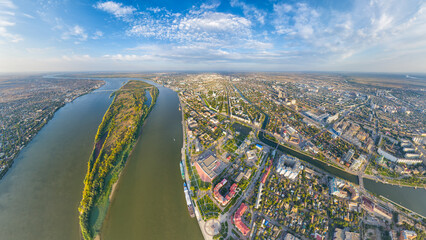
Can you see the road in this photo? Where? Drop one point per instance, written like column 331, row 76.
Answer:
column 184, row 151
column 228, row 216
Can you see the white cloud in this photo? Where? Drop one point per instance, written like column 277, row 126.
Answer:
column 28, row 16
column 130, row 57
column 198, row 25
column 300, row 35
column 298, row 20
column 250, row 11
column 117, row 9
column 210, row 6
column 154, row 9
column 215, row 22
column 80, row 58
column 76, row 33
column 201, row 52
column 255, row 44
column 7, row 4
column 381, row 25
column 98, row 34
column 199, row 34
column 40, row 51
column 6, row 21
column 6, row 13
column 6, row 36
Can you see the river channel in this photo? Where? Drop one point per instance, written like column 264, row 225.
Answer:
column 409, row 197
column 40, row 193
column 149, row 201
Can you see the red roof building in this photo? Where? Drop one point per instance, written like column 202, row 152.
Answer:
column 317, row 236
column 265, row 176
column 223, row 200
column 369, row 205
column 238, row 222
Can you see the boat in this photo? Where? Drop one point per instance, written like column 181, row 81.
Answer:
column 188, row 201
column 182, row 170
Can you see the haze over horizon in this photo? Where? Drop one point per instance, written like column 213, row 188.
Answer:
column 227, row 35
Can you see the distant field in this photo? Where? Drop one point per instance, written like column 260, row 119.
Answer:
column 388, row 80
column 114, row 75
column 369, row 79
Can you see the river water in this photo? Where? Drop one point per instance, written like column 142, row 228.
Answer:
column 149, row 202
column 409, row 197
column 40, row 194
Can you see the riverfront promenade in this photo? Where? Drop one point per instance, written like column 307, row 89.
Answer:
column 184, row 150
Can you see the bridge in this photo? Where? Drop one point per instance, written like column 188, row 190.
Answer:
column 105, row 90
column 361, row 180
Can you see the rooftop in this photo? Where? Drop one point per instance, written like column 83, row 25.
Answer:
column 208, row 166
column 238, row 222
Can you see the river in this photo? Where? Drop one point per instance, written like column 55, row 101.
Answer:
column 149, row 202
column 40, row 194
column 409, row 197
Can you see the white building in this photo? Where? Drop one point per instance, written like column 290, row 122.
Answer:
column 333, row 118
column 289, row 167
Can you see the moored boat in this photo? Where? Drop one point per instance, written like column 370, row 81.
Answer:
column 182, row 170
column 188, row 201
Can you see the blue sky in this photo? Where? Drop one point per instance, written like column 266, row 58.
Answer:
column 228, row 35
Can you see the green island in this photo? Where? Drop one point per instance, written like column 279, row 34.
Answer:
column 115, row 138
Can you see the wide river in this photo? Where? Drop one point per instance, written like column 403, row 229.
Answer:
column 149, row 202
column 40, row 194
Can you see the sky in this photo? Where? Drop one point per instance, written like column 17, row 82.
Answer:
column 215, row 35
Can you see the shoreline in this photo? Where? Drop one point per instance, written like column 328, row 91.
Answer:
column 200, row 221
column 265, row 140
column 365, row 176
column 111, row 195
column 94, row 201
column 371, row 177
column 116, row 183
column 10, row 163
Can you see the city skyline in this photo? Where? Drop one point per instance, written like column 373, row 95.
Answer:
column 235, row 35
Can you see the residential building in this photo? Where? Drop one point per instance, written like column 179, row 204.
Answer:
column 223, row 200
column 407, row 235
column 288, row 236
column 237, row 219
column 289, row 167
